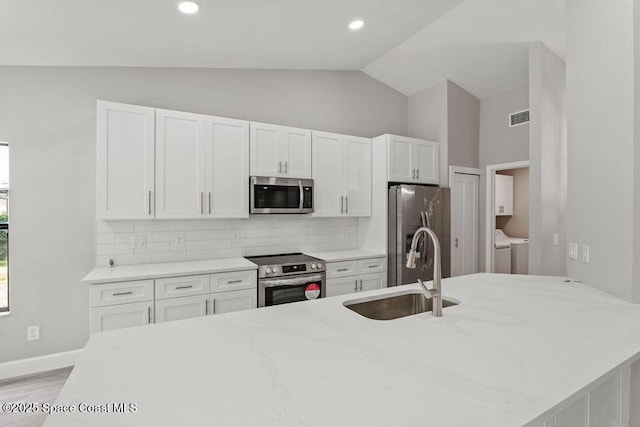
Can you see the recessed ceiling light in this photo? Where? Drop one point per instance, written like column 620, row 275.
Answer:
column 356, row 25
column 188, row 7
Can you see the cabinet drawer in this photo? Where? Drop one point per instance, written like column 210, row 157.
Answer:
column 341, row 269
column 121, row 293
column 168, row 310
column 172, row 287
column 247, row 279
column 121, row 316
column 372, row 265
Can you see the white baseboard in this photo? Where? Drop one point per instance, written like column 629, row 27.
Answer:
column 34, row 365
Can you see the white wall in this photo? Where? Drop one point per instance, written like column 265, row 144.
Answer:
column 463, row 111
column 48, row 116
column 600, row 125
column 547, row 162
column 499, row 143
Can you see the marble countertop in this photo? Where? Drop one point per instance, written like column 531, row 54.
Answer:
column 346, row 255
column 514, row 348
column 167, row 269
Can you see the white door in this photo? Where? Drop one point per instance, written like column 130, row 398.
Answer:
column 464, row 233
column 265, row 150
column 426, row 157
column 357, row 173
column 168, row 310
column 226, row 302
column 401, row 168
column 121, row 316
column 370, row 282
column 227, row 168
column 296, row 153
column 180, row 163
column 125, row 165
column 342, row 286
column 328, row 197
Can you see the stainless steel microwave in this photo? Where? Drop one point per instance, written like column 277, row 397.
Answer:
column 271, row 195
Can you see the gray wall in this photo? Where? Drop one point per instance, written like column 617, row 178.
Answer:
column 48, row 117
column 601, row 168
column 427, row 119
column 464, row 127
column 499, row 143
column 548, row 162
column 517, row 225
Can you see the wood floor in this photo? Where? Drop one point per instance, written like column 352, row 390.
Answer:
column 38, row 388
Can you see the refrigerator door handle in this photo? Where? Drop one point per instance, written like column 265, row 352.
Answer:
column 425, row 244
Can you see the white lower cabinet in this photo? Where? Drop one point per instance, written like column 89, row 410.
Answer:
column 137, row 303
column 121, row 316
column 346, row 277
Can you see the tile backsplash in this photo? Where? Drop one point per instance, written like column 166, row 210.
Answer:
column 144, row 241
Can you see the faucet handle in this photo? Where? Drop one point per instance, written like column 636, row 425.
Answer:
column 429, row 293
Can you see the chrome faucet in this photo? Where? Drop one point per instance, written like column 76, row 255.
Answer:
column 436, row 292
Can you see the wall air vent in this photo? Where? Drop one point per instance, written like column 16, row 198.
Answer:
column 518, row 118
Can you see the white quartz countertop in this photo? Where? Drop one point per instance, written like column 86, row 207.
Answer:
column 346, row 255
column 167, row 269
column 514, row 348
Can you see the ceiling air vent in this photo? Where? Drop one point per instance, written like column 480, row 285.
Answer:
column 518, row 118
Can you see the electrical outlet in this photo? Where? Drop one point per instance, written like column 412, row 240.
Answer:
column 179, row 240
column 139, row 241
column 573, row 251
column 585, row 254
column 33, row 333
column 236, row 237
column 556, row 239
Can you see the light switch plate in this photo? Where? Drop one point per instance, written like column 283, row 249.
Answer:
column 138, row 241
column 585, row 254
column 573, row 251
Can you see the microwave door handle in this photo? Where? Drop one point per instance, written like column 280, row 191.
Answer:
column 301, row 195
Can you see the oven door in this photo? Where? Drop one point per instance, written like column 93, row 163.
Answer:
column 283, row 290
column 280, row 195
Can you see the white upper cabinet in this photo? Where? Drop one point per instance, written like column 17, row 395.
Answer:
column 413, row 160
column 280, row 151
column 227, row 168
column 180, row 164
column 125, row 161
column 504, row 195
column 341, row 174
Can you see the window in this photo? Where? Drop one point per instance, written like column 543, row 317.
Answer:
column 4, row 227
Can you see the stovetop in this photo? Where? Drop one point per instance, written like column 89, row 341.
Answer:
column 282, row 259
column 287, row 265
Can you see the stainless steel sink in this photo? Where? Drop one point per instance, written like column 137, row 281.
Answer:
column 394, row 306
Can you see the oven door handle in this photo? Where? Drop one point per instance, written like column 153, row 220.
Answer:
column 301, row 195
column 292, row 281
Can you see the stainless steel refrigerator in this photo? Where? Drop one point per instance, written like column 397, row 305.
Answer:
column 411, row 207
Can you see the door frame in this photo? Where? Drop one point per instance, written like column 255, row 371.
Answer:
column 466, row 171
column 490, row 218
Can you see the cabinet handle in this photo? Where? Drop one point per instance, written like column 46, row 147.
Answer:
column 280, row 167
column 373, row 266
column 342, row 269
column 360, row 285
column 346, row 204
column 149, row 314
column 206, row 307
column 341, row 204
column 234, row 281
column 356, row 285
column 413, row 173
column 149, row 202
column 209, row 202
column 214, row 306
column 185, row 287
column 119, row 294
column 201, row 203
column 286, row 168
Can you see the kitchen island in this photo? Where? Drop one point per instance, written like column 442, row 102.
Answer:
column 517, row 350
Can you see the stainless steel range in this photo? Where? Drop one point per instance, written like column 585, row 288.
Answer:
column 289, row 278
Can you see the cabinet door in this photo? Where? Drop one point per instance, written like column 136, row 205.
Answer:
column 226, row 302
column 342, row 286
column 400, row 168
column 503, row 195
column 121, row 316
column 265, row 150
column 180, row 163
column 426, row 155
column 125, row 165
column 227, row 168
column 357, row 165
column 328, row 197
column 370, row 282
column 296, row 153
column 171, row 309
